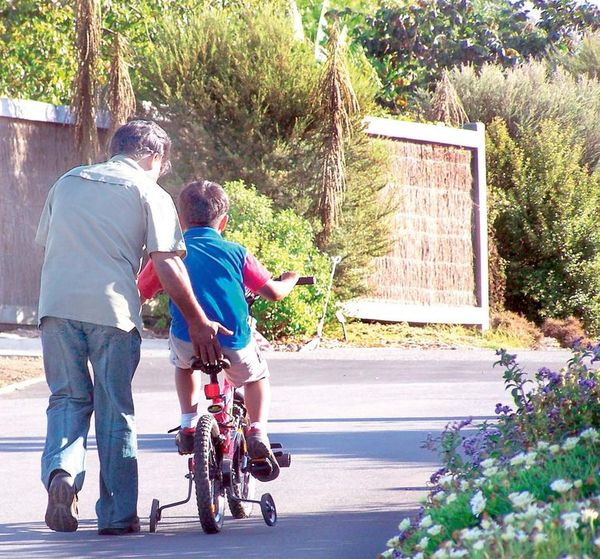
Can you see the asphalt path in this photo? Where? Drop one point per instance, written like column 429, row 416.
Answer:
column 354, row 421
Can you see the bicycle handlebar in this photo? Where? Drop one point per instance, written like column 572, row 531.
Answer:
column 306, row 280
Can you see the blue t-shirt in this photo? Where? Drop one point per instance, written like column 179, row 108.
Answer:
column 216, row 270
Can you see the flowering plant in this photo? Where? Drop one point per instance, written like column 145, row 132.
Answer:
column 526, row 485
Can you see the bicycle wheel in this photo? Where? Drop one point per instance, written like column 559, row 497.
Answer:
column 208, row 475
column 243, row 485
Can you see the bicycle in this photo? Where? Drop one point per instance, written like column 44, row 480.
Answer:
column 220, row 468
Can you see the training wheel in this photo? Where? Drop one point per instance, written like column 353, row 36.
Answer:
column 267, row 507
column 154, row 515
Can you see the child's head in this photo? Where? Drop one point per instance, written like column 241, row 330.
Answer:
column 203, row 204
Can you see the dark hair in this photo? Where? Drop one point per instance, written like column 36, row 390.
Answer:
column 138, row 138
column 201, row 203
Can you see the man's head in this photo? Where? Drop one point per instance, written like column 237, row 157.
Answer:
column 203, row 204
column 145, row 142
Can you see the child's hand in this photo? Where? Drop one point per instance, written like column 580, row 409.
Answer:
column 289, row 276
column 277, row 289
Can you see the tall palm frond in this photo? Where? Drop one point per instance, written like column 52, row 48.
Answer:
column 338, row 105
column 85, row 100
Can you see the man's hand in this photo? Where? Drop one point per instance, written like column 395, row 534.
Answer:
column 205, row 343
column 203, row 332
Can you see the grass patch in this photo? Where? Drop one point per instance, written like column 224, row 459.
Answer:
column 403, row 335
column 15, row 369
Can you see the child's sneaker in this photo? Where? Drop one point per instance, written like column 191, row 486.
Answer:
column 185, row 440
column 259, row 450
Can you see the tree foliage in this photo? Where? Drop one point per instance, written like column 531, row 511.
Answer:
column 239, row 95
column 545, row 222
column 411, row 42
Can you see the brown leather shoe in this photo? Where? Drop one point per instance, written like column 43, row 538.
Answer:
column 61, row 513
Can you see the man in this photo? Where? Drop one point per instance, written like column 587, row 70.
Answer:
column 95, row 225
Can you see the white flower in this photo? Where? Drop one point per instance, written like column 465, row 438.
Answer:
column 489, row 472
column 530, row 459
column 418, row 556
column 542, row 445
column 597, row 542
column 386, row 554
column 477, row 503
column 439, row 496
column 589, row 515
column 570, row 443
column 404, row 524
column 423, row 542
column 393, row 542
column 440, row 554
column 521, row 500
column 570, row 520
column 590, row 434
column 517, row 459
column 509, row 533
column 464, row 485
column 509, row 518
column 561, row 485
column 488, row 463
column 478, row 545
column 426, row 522
column 538, row 525
column 471, row 533
column 434, row 530
column 554, row 448
column 531, row 512
column 458, row 553
column 445, row 480
column 450, row 498
column 577, row 483
column 521, row 536
column 539, row 538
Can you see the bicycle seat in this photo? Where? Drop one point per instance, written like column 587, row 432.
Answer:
column 209, row 368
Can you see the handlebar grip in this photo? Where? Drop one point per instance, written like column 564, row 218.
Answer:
column 306, row 280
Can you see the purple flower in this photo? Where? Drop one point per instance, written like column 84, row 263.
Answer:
column 587, row 383
column 500, row 409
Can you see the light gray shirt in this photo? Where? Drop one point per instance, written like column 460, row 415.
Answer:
column 95, row 225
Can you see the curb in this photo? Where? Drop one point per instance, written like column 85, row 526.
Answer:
column 20, row 385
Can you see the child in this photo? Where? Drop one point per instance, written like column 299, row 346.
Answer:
column 219, row 270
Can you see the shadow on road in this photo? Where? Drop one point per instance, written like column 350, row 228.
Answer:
column 351, row 535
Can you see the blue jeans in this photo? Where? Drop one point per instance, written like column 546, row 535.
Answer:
column 114, row 356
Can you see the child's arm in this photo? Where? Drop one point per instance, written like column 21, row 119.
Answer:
column 148, row 282
column 277, row 289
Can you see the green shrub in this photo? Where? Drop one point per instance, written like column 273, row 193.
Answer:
column 530, row 94
column 545, row 223
column 238, row 93
column 282, row 241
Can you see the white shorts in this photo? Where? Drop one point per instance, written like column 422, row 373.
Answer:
column 247, row 364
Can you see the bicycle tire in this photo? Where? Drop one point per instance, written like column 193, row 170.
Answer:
column 208, row 475
column 243, row 485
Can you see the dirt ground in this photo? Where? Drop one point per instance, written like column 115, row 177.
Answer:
column 19, row 369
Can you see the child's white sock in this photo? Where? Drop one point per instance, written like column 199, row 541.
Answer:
column 259, row 425
column 189, row 420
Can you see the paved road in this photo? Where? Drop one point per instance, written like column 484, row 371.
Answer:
column 353, row 419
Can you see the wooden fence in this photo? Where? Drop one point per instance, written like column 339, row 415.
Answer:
column 36, row 147
column 436, row 270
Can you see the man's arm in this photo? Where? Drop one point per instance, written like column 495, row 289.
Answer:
column 175, row 280
column 277, row 289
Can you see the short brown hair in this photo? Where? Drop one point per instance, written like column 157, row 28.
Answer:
column 201, row 203
column 141, row 137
